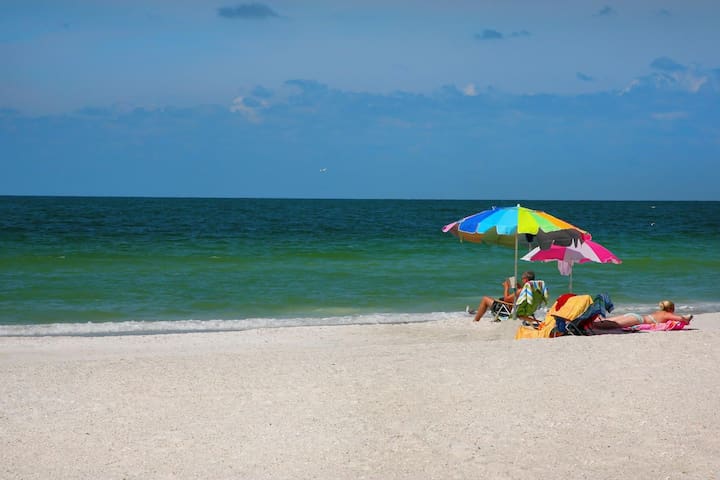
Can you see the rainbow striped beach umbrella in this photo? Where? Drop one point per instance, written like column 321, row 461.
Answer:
column 512, row 226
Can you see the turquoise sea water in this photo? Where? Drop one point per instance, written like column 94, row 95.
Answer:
column 110, row 265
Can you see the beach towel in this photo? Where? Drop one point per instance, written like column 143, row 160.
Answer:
column 601, row 307
column 572, row 308
column 544, row 329
column 562, row 299
column 533, row 294
column 657, row 327
column 568, row 309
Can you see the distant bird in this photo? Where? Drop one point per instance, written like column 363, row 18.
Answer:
column 323, row 170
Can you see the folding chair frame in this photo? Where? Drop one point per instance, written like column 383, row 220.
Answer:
column 501, row 310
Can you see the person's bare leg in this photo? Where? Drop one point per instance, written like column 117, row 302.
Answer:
column 605, row 324
column 485, row 303
column 621, row 321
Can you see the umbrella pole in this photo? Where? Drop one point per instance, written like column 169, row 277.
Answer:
column 514, row 310
column 570, row 287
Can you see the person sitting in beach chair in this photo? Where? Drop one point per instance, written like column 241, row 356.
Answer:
column 504, row 303
column 503, row 306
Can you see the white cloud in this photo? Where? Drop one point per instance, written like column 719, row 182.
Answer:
column 687, row 81
column 240, row 106
column 669, row 115
column 630, row 86
column 695, row 83
column 470, row 90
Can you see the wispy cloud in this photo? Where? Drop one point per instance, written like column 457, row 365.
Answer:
column 669, row 115
column 343, row 129
column 250, row 11
column 491, row 34
column 249, row 107
column 606, row 11
column 664, row 12
column 521, row 33
column 585, row 78
column 666, row 64
column 670, row 75
column 470, row 90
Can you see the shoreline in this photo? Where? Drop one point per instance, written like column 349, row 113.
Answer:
column 440, row 399
column 170, row 327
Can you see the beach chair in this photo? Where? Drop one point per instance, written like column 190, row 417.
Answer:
column 601, row 306
column 554, row 324
column 569, row 315
column 532, row 295
column 501, row 310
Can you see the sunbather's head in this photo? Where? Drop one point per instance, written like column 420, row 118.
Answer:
column 667, row 306
column 528, row 276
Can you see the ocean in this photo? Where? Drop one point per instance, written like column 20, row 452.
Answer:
column 103, row 266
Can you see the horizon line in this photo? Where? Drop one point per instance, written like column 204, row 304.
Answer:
column 203, row 197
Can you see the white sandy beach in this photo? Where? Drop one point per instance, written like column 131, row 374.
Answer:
column 439, row 400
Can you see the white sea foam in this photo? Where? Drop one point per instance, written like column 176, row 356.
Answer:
column 187, row 326
column 139, row 327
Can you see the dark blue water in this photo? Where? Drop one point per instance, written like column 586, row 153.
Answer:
column 120, row 263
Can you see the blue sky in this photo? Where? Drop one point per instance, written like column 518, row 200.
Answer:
column 361, row 99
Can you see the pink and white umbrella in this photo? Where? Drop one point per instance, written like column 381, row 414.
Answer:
column 578, row 252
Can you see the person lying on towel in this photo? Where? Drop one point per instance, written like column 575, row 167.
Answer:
column 664, row 315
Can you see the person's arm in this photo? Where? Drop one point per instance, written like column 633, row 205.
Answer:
column 663, row 317
column 506, row 289
column 679, row 318
column 508, row 295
